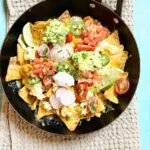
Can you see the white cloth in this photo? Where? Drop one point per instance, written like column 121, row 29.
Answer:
column 17, row 134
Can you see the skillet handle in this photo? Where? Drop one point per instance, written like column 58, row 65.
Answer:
column 119, row 6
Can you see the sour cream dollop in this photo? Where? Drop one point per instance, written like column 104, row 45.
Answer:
column 63, row 79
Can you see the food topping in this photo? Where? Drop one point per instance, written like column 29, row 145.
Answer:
column 63, row 79
column 56, row 32
column 70, row 67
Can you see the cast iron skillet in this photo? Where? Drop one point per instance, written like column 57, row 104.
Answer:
column 50, row 9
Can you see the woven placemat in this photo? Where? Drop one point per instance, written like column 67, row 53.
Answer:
column 16, row 134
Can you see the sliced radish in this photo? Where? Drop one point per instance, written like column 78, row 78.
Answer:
column 67, row 98
column 92, row 104
column 43, row 50
column 59, row 92
column 55, row 102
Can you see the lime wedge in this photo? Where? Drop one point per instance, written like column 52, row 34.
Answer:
column 27, row 34
column 115, row 72
column 22, row 42
column 109, row 80
column 106, row 84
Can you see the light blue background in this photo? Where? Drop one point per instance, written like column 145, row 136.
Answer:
column 142, row 34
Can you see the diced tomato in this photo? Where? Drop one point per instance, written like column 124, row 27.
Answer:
column 53, row 70
column 37, row 54
column 37, row 61
column 82, row 47
column 94, row 34
column 81, row 90
column 96, row 76
column 47, row 82
column 37, row 71
column 89, row 81
column 45, row 70
column 122, row 86
column 47, row 64
column 69, row 38
column 87, row 74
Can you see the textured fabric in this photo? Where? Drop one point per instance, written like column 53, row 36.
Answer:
column 17, row 134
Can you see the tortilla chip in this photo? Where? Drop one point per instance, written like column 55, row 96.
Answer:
column 88, row 19
column 38, row 31
column 43, row 112
column 114, row 38
column 49, row 93
column 124, row 75
column 65, row 17
column 13, row 70
column 111, row 95
column 119, row 60
column 101, row 105
column 25, row 69
column 25, row 81
column 34, row 105
column 73, row 121
column 20, row 54
column 24, row 94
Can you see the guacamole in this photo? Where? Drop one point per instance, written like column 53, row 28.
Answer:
column 84, row 61
column 56, row 32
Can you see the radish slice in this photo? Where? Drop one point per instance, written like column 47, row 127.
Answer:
column 92, row 104
column 67, row 98
column 43, row 50
column 59, row 92
column 55, row 102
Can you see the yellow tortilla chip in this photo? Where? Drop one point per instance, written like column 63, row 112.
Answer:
column 25, row 81
column 49, row 93
column 100, row 105
column 34, row 105
column 111, row 95
column 24, row 94
column 20, row 54
column 111, row 46
column 25, row 69
column 43, row 112
column 65, row 17
column 114, row 38
column 13, row 70
column 38, row 31
column 70, row 117
column 119, row 60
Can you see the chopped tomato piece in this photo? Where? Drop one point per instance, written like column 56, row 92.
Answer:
column 122, row 86
column 81, row 90
column 87, row 74
column 37, row 54
column 95, row 32
column 47, row 82
column 37, row 71
column 43, row 67
column 82, row 47
column 69, row 38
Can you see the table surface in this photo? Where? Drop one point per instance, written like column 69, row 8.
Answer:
column 142, row 32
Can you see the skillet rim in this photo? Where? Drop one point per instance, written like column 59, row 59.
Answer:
column 74, row 132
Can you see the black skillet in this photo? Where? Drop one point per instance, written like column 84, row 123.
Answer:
column 53, row 8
